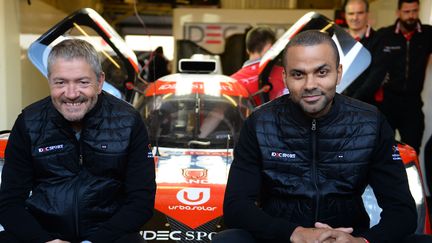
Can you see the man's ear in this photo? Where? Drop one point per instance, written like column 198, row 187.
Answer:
column 339, row 73
column 101, row 81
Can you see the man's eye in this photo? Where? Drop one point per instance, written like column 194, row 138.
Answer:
column 296, row 74
column 322, row 72
column 85, row 82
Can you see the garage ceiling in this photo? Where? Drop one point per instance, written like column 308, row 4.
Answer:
column 155, row 16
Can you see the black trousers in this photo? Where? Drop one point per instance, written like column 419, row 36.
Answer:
column 129, row 238
column 243, row 236
column 405, row 114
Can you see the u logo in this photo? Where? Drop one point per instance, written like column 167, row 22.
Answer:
column 193, row 196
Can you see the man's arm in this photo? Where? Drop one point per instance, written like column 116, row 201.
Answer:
column 389, row 182
column 16, row 184
column 243, row 189
column 140, row 187
column 375, row 77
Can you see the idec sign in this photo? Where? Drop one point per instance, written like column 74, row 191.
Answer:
column 192, row 206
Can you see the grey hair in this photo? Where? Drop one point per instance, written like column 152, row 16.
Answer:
column 75, row 48
column 311, row 38
column 365, row 2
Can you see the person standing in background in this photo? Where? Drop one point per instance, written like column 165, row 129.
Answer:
column 357, row 19
column 403, row 52
column 157, row 65
column 258, row 41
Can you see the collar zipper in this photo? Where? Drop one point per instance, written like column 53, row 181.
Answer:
column 314, row 174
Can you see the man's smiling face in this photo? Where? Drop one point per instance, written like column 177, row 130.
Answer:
column 311, row 75
column 74, row 87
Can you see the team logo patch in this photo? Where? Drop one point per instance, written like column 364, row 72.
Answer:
column 50, row 148
column 283, row 155
column 396, row 154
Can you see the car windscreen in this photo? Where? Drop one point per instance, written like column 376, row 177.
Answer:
column 194, row 120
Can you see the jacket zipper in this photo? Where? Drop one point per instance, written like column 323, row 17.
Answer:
column 76, row 189
column 314, row 168
column 407, row 66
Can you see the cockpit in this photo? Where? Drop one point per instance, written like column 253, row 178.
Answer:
column 195, row 110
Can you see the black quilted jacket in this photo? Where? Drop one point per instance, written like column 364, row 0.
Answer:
column 98, row 187
column 302, row 170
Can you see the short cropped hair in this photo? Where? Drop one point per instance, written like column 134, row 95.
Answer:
column 400, row 2
column 366, row 2
column 75, row 48
column 258, row 37
column 311, row 38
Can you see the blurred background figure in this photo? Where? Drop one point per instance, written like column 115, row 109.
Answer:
column 258, row 40
column 157, row 66
column 357, row 19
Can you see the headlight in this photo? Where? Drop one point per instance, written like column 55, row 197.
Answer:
column 416, row 188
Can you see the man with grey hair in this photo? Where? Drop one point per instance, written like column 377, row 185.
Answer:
column 357, row 18
column 303, row 161
column 78, row 165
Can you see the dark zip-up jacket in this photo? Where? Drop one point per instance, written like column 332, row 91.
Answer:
column 354, row 89
column 302, row 170
column 97, row 187
column 400, row 64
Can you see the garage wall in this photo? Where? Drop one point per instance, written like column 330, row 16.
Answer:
column 10, row 71
column 36, row 19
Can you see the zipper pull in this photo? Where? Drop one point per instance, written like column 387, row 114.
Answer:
column 313, row 128
column 80, row 159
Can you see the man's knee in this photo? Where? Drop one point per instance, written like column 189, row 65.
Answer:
column 233, row 236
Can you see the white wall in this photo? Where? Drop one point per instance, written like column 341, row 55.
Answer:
column 10, row 68
column 36, row 19
column 426, row 17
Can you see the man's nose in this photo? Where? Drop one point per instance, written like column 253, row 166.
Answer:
column 72, row 91
column 310, row 82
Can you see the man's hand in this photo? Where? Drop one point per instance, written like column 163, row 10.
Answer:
column 337, row 234
column 57, row 241
column 326, row 226
column 307, row 235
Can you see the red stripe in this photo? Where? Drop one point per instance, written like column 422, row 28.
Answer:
column 103, row 29
column 213, row 42
column 214, row 34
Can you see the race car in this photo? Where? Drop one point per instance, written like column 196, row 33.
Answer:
column 194, row 118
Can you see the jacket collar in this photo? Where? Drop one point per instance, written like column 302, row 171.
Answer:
column 398, row 27
column 298, row 114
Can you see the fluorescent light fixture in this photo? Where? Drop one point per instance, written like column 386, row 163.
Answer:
column 150, row 43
